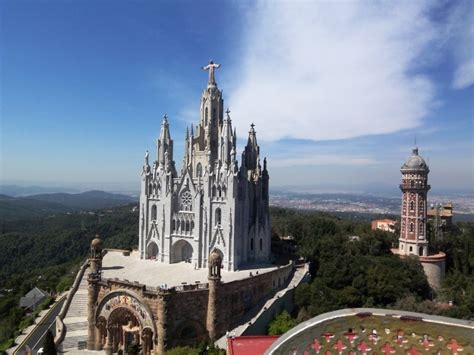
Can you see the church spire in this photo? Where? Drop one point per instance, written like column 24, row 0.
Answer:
column 164, row 145
column 252, row 150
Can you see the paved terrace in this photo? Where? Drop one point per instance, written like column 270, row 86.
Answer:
column 153, row 273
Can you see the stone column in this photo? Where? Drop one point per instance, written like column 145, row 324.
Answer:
column 98, row 337
column 162, row 323
column 91, row 308
column 93, row 278
column 212, row 308
column 108, row 344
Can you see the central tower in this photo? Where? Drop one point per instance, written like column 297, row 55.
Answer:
column 213, row 204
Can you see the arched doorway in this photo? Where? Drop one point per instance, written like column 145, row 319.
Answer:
column 152, row 251
column 124, row 329
column 182, row 251
column 123, row 319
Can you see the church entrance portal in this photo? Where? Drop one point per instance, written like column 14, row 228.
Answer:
column 182, row 251
column 124, row 329
column 152, row 251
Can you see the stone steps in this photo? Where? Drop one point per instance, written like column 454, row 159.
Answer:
column 76, row 320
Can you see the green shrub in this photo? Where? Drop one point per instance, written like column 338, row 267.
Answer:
column 281, row 324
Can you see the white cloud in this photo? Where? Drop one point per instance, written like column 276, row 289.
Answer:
column 322, row 70
column 461, row 33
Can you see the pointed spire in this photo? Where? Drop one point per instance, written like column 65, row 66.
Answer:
column 252, row 136
column 164, row 145
column 165, row 130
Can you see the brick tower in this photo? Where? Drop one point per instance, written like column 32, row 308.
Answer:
column 414, row 188
column 413, row 235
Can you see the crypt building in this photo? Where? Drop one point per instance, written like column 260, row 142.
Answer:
column 213, row 203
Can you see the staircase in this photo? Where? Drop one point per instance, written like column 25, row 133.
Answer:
column 76, row 320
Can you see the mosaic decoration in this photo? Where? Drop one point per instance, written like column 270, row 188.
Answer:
column 125, row 300
column 386, row 336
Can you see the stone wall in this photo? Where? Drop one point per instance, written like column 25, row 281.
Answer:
column 186, row 307
column 434, row 268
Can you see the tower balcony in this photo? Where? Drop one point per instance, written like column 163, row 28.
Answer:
column 414, row 188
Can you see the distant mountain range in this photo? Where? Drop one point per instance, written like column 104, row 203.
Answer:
column 41, row 205
column 17, row 190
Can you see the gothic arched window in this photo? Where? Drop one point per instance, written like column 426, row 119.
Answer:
column 153, row 212
column 205, row 117
column 412, row 227
column 218, row 216
column 199, row 170
column 412, row 205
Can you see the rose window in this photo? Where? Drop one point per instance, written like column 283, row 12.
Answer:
column 186, row 201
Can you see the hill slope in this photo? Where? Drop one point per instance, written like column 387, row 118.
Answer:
column 86, row 200
column 37, row 206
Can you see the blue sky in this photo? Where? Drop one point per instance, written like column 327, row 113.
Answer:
column 338, row 91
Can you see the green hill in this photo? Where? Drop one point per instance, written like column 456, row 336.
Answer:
column 44, row 205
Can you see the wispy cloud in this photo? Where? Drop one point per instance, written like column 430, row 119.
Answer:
column 321, row 70
column 461, row 35
column 314, row 160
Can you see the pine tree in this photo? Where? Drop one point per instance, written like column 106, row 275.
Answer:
column 49, row 348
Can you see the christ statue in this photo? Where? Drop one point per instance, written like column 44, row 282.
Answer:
column 211, row 67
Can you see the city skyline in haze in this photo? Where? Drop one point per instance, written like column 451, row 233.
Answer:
column 338, row 92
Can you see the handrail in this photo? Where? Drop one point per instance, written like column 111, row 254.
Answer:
column 60, row 326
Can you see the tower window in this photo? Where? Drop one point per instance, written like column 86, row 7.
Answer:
column 218, row 216
column 412, row 205
column 411, row 248
column 153, row 212
column 205, row 117
column 412, row 183
column 412, row 227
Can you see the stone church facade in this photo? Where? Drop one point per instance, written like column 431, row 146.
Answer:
column 213, row 203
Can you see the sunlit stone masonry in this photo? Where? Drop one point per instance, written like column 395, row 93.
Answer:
column 213, row 203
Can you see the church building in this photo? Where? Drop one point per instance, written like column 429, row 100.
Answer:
column 214, row 203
